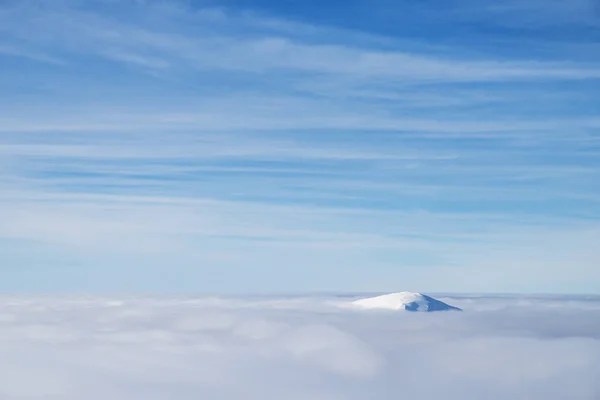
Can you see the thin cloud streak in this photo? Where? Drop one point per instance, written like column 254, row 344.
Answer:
column 76, row 30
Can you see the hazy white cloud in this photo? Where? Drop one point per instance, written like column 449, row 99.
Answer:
column 320, row 246
column 296, row 347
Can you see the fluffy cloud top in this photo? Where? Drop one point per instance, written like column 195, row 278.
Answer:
column 153, row 348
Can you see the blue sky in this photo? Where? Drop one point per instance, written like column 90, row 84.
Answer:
column 259, row 146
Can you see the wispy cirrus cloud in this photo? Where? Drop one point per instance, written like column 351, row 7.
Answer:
column 225, row 138
column 225, row 48
column 23, row 51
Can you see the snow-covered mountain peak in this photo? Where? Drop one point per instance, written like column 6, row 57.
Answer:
column 405, row 301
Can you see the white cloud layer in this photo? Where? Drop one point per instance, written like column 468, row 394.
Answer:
column 76, row 347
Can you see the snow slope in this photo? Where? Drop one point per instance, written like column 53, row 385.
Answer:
column 405, row 301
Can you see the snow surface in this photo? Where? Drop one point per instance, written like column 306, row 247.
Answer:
column 296, row 348
column 405, row 301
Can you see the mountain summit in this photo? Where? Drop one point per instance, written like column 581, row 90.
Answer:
column 405, row 301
